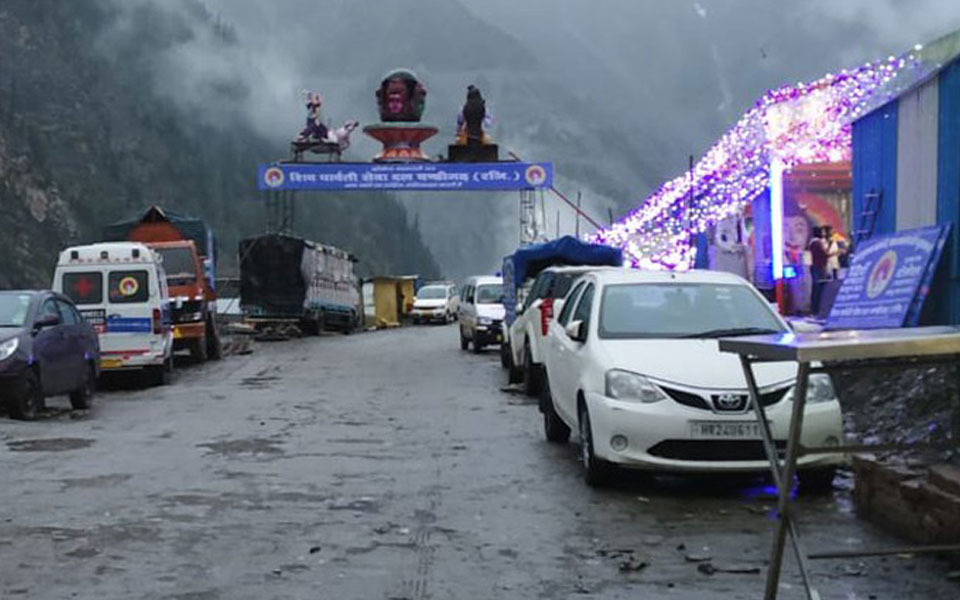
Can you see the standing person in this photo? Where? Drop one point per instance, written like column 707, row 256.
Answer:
column 833, row 253
column 818, row 267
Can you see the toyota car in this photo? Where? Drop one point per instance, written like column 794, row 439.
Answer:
column 633, row 365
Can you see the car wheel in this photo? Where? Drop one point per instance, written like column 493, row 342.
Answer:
column 554, row 429
column 504, row 355
column 214, row 345
column 27, row 402
column 162, row 374
column 596, row 471
column 532, row 374
column 464, row 342
column 817, row 481
column 198, row 350
column 82, row 397
column 514, row 374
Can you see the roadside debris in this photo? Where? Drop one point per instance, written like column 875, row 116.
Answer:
column 632, row 565
column 708, row 568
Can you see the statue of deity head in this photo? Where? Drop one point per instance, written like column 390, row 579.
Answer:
column 401, row 97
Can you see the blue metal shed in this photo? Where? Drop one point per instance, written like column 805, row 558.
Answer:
column 907, row 149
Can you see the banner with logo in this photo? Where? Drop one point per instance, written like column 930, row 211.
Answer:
column 888, row 280
column 407, row 176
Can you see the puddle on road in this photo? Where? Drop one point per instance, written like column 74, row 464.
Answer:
column 94, row 482
column 259, row 382
column 248, row 446
column 49, row 445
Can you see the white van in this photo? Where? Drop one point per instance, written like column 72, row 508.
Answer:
column 121, row 289
column 481, row 312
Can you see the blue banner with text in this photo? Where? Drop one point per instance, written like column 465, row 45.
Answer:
column 406, row 176
column 888, row 280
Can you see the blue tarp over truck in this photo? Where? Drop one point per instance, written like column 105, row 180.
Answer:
column 530, row 260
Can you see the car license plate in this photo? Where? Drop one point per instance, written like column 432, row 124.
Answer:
column 111, row 363
column 725, row 430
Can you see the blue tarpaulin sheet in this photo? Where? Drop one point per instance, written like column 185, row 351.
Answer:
column 529, row 261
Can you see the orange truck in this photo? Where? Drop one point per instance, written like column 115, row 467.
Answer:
column 188, row 250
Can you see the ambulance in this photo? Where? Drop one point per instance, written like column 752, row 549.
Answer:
column 121, row 289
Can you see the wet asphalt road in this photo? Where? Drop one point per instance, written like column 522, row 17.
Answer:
column 385, row 466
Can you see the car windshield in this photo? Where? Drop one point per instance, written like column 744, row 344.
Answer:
column 490, row 293
column 179, row 266
column 432, row 292
column 676, row 310
column 13, row 309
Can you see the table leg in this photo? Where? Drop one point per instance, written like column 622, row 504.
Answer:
column 784, row 486
column 785, row 520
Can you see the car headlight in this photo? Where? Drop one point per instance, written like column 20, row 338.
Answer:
column 632, row 387
column 819, row 389
column 8, row 347
column 484, row 321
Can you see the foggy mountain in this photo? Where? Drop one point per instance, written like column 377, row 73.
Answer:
column 89, row 135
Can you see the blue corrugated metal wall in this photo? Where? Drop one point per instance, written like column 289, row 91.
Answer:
column 875, row 165
column 948, row 188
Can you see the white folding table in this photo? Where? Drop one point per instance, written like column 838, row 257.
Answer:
column 813, row 353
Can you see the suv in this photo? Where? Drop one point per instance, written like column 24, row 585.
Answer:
column 481, row 312
column 435, row 302
column 525, row 335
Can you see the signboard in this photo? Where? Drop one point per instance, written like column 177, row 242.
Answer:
column 405, row 176
column 888, row 280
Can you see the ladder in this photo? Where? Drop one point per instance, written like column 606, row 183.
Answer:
column 868, row 217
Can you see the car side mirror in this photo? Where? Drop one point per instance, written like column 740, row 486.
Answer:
column 576, row 331
column 46, row 321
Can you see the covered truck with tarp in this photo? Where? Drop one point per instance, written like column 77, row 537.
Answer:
column 286, row 279
column 533, row 277
column 162, row 225
column 527, row 262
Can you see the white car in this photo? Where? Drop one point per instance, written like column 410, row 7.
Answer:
column 435, row 302
column 481, row 312
column 527, row 332
column 633, row 364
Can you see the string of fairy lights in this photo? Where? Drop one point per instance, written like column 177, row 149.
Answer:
column 806, row 123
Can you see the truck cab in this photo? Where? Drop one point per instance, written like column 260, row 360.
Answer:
column 192, row 300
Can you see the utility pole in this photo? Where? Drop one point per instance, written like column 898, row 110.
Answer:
column 578, row 215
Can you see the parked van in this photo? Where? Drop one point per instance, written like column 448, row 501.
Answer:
column 481, row 312
column 121, row 289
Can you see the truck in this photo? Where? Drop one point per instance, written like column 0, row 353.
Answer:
column 188, row 249
column 287, row 281
column 534, row 277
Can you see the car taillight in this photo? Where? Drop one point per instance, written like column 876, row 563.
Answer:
column 546, row 313
column 157, row 322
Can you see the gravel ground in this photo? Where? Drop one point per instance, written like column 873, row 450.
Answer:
column 385, row 465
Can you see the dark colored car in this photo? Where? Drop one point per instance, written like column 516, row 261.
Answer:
column 46, row 349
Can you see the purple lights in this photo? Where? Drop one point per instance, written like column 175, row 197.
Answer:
column 808, row 123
